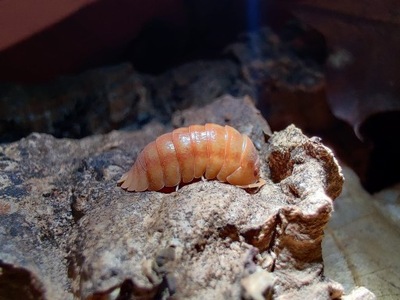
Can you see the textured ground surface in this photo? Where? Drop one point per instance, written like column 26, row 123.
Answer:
column 67, row 230
column 362, row 239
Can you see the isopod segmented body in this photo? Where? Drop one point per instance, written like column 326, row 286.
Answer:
column 209, row 150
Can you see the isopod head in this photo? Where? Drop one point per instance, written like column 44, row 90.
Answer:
column 249, row 171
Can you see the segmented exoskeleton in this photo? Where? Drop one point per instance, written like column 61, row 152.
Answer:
column 210, row 150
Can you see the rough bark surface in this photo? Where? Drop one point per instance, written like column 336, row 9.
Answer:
column 67, row 231
column 361, row 242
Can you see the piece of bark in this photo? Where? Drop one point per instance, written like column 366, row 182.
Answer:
column 361, row 241
column 361, row 69
column 100, row 100
column 362, row 78
column 79, row 235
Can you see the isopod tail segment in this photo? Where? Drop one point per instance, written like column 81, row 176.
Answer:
column 210, row 150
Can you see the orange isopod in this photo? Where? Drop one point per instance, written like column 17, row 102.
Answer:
column 210, row 150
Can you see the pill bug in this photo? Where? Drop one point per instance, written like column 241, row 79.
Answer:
column 211, row 151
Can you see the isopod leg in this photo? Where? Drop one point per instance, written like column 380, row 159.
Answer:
column 123, row 178
column 261, row 182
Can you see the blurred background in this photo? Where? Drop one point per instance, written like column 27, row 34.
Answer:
column 73, row 69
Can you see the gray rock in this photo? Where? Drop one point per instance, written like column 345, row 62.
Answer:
column 68, row 231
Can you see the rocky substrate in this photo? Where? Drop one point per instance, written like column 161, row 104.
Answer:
column 68, row 231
